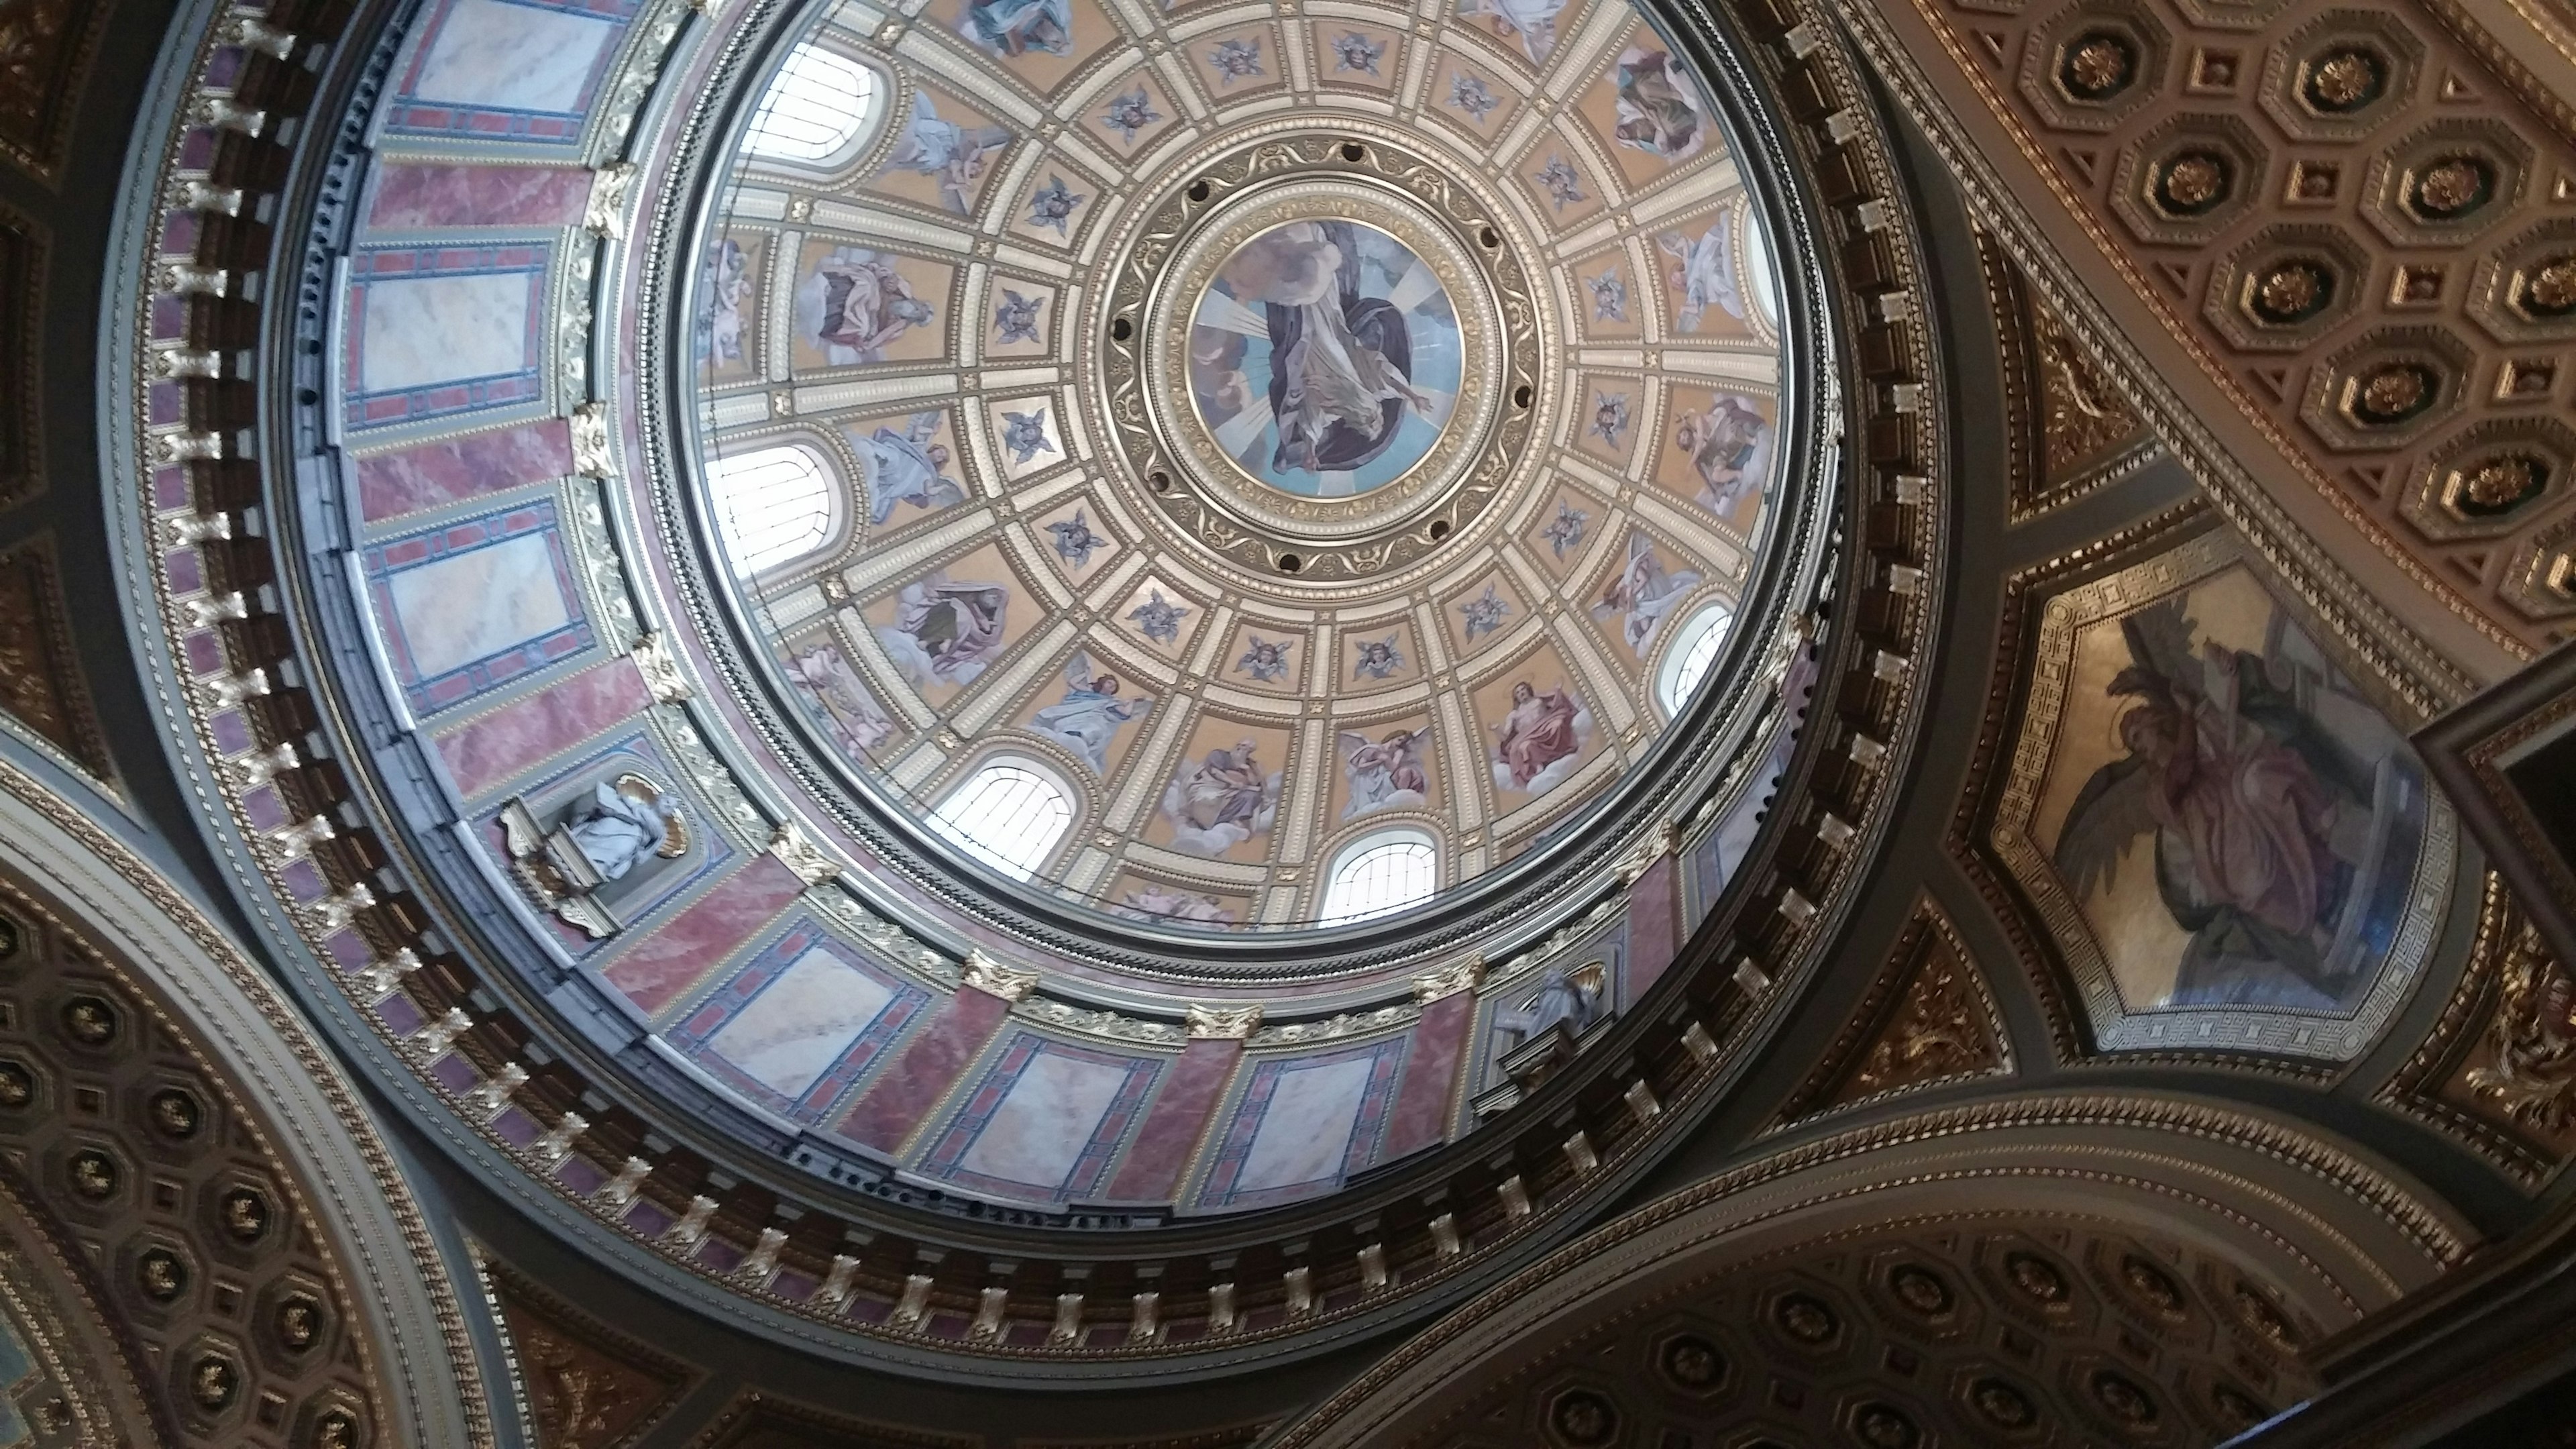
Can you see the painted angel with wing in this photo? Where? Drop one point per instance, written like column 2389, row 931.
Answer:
column 1384, row 774
column 1088, row 717
column 2255, row 810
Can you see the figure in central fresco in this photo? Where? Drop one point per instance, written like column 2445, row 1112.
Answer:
column 1361, row 365
column 1338, row 360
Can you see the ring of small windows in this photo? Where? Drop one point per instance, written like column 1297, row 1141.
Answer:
column 1379, row 874
column 1693, row 653
column 1010, row 814
column 817, row 110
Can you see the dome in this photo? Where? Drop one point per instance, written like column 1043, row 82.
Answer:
column 1231, row 472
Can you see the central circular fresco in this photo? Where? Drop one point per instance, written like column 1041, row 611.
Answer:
column 1206, row 463
column 1325, row 359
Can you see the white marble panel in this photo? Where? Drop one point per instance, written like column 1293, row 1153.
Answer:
column 426, row 330
column 1039, row 1131
column 1307, row 1127
column 512, row 57
column 792, row 1032
column 470, row 606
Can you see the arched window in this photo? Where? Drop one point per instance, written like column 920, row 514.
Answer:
column 1757, row 269
column 815, row 109
column 773, row 506
column 1380, row 873
column 1694, row 649
column 1009, row 815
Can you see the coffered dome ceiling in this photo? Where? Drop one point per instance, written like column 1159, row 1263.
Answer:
column 1264, row 436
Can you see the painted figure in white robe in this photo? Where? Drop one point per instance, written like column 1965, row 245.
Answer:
column 1702, row 273
column 906, row 467
column 1339, row 362
column 952, row 153
column 1533, row 22
column 1086, row 720
column 1384, row 774
column 1016, row 27
column 1643, row 592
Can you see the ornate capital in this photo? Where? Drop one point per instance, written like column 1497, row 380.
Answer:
column 1224, row 1023
column 592, row 457
column 661, row 672
column 995, row 979
column 1465, row 974
column 812, row 864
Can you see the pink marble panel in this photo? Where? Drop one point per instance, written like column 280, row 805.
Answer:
column 1176, row 1121
column 435, row 474
column 905, row 1092
column 498, row 745
column 1421, row 1115
column 1654, row 930
column 660, row 968
column 437, row 195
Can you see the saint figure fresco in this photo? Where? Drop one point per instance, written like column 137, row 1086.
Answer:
column 728, row 282
column 1155, row 901
column 944, row 631
column 1540, row 739
column 1384, row 774
column 1531, row 22
column 1702, row 273
column 855, row 303
column 1643, row 592
column 952, row 154
column 1016, row 27
column 2254, row 800
column 1729, row 444
column 1086, row 720
column 1657, row 109
column 1220, row 801
column 906, row 467
column 857, row 723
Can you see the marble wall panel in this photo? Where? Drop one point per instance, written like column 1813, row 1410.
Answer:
column 507, row 70
column 886, row 1113
column 423, row 195
column 1178, row 1117
column 490, row 750
column 1430, row 1082
column 657, row 966
column 1043, row 1121
column 1302, row 1125
column 438, row 331
column 473, row 605
column 803, row 1021
column 435, row 475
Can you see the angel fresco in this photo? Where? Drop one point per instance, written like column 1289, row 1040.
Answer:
column 1729, row 444
column 1383, row 774
column 1702, row 274
column 2281, row 814
column 953, row 154
column 859, row 304
column 945, row 631
column 1539, row 740
column 1086, row 720
column 906, row 467
column 1657, row 110
column 1643, row 592
column 1221, row 801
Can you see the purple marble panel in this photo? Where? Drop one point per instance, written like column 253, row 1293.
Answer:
column 803, row 1021
column 903, row 1093
column 1430, row 1082
column 473, row 605
column 1654, row 926
column 437, row 331
column 430, row 195
column 1302, row 1125
column 1173, row 1125
column 660, row 968
column 436, row 474
column 487, row 751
